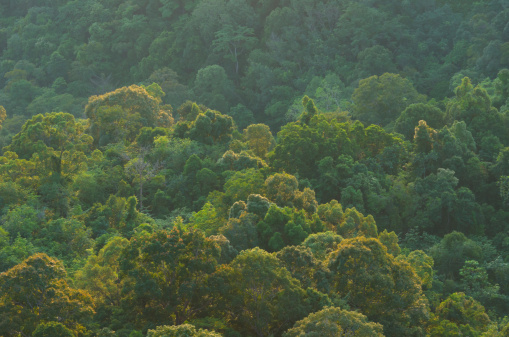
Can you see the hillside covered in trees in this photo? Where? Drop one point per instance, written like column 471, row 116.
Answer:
column 254, row 168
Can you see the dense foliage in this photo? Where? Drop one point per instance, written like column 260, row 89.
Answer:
column 254, row 168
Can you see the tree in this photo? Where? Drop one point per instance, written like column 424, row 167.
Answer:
column 502, row 89
column 100, row 274
column 443, row 207
column 260, row 297
column 213, row 88
column 183, row 330
column 387, row 291
column 239, row 161
column 461, row 315
column 390, row 241
column 331, row 214
column 242, row 231
column 298, row 149
column 259, row 139
column 282, row 188
column 57, row 138
column 355, row 224
column 228, row 252
column 285, row 226
column 473, row 105
column 310, row 110
column 210, row 127
column 68, row 239
column 166, row 276
column 175, row 92
column 451, row 253
column 410, row 117
column 380, row 100
column 15, row 252
column 375, row 60
column 258, row 205
column 476, row 284
column 119, row 115
column 234, row 40
column 242, row 115
column 332, row 322
column 301, row 263
column 22, row 221
column 207, row 220
column 117, row 214
column 244, row 183
column 321, row 244
column 52, row 329
column 141, row 171
column 35, row 291
column 3, row 116
column 422, row 265
column 57, row 145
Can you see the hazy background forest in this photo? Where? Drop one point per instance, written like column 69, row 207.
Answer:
column 254, row 168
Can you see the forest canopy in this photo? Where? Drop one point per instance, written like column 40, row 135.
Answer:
column 254, row 168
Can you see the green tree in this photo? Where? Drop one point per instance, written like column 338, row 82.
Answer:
column 141, row 170
column 410, row 117
column 15, row 252
column 35, row 291
column 390, row 241
column 387, row 291
column 57, row 144
column 166, row 276
column 58, row 139
column 234, row 40
column 355, row 224
column 380, row 100
column 473, row 105
column 100, row 274
column 213, row 88
column 52, row 329
column 242, row 231
column 183, row 330
column 244, row 183
column 375, row 60
column 68, row 239
column 175, row 92
column 443, row 207
column 502, row 88
column 23, row 221
column 422, row 265
column 321, row 244
column 207, row 220
column 476, row 284
column 260, row 296
column 452, row 252
column 210, row 127
column 303, row 266
column 3, row 116
column 284, row 226
column 332, row 322
column 331, row 214
column 282, row 188
column 459, row 315
column 119, row 115
column 117, row 214
column 259, row 139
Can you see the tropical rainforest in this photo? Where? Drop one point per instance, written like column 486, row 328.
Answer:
column 254, row 168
